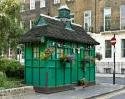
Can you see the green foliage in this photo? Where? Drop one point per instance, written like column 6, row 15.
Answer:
column 12, row 68
column 9, row 82
column 10, row 29
column 2, row 80
column 13, row 65
column 3, row 64
column 82, row 81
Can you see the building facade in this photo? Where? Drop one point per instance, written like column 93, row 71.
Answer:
column 110, row 20
column 31, row 9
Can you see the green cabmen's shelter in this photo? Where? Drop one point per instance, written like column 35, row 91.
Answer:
column 58, row 53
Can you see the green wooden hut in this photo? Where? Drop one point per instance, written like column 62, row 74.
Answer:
column 58, row 53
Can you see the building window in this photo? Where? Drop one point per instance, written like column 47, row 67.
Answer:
column 107, row 19
column 107, row 70
column 30, row 24
column 72, row 17
column 108, row 49
column 36, row 52
column 56, row 1
column 123, row 48
column 87, row 20
column 22, row 8
column 122, row 17
column 22, row 24
column 32, row 4
column 42, row 3
column 122, row 70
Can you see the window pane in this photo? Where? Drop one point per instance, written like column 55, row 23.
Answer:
column 87, row 20
column 42, row 3
column 123, row 47
column 122, row 8
column 56, row 1
column 32, row 4
column 107, row 19
column 107, row 49
column 36, row 52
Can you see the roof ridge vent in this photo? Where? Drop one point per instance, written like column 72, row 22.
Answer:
column 68, row 26
column 40, row 21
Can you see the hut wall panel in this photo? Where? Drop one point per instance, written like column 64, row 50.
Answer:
column 74, row 72
column 35, row 75
column 28, row 76
column 43, row 75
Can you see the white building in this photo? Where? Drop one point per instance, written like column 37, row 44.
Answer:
column 107, row 50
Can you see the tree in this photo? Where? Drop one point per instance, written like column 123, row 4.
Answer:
column 10, row 29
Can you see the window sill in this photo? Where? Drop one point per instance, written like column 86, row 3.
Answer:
column 71, row 1
column 42, row 7
column 115, row 31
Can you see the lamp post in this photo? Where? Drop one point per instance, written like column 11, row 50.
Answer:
column 113, row 42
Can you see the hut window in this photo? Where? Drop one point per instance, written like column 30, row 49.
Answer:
column 36, row 52
column 59, row 52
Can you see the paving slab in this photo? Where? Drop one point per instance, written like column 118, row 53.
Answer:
column 78, row 93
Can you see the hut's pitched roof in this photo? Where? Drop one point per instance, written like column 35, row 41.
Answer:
column 56, row 29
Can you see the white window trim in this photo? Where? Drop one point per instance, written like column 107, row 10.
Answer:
column 121, row 17
column 42, row 3
column 32, row 4
column 104, row 15
column 70, row 0
column 71, row 19
column 30, row 24
column 122, row 49
column 90, row 21
column 56, row 1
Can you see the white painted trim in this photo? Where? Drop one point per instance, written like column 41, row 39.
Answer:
column 32, row 4
column 88, row 18
column 104, row 15
column 42, row 3
column 30, row 24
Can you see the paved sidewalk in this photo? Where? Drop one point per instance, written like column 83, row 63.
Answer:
column 110, row 75
column 78, row 93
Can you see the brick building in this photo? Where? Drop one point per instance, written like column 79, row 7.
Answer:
column 33, row 8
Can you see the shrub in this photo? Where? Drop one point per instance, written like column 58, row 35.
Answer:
column 2, row 79
column 82, row 82
column 12, row 68
column 3, row 64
